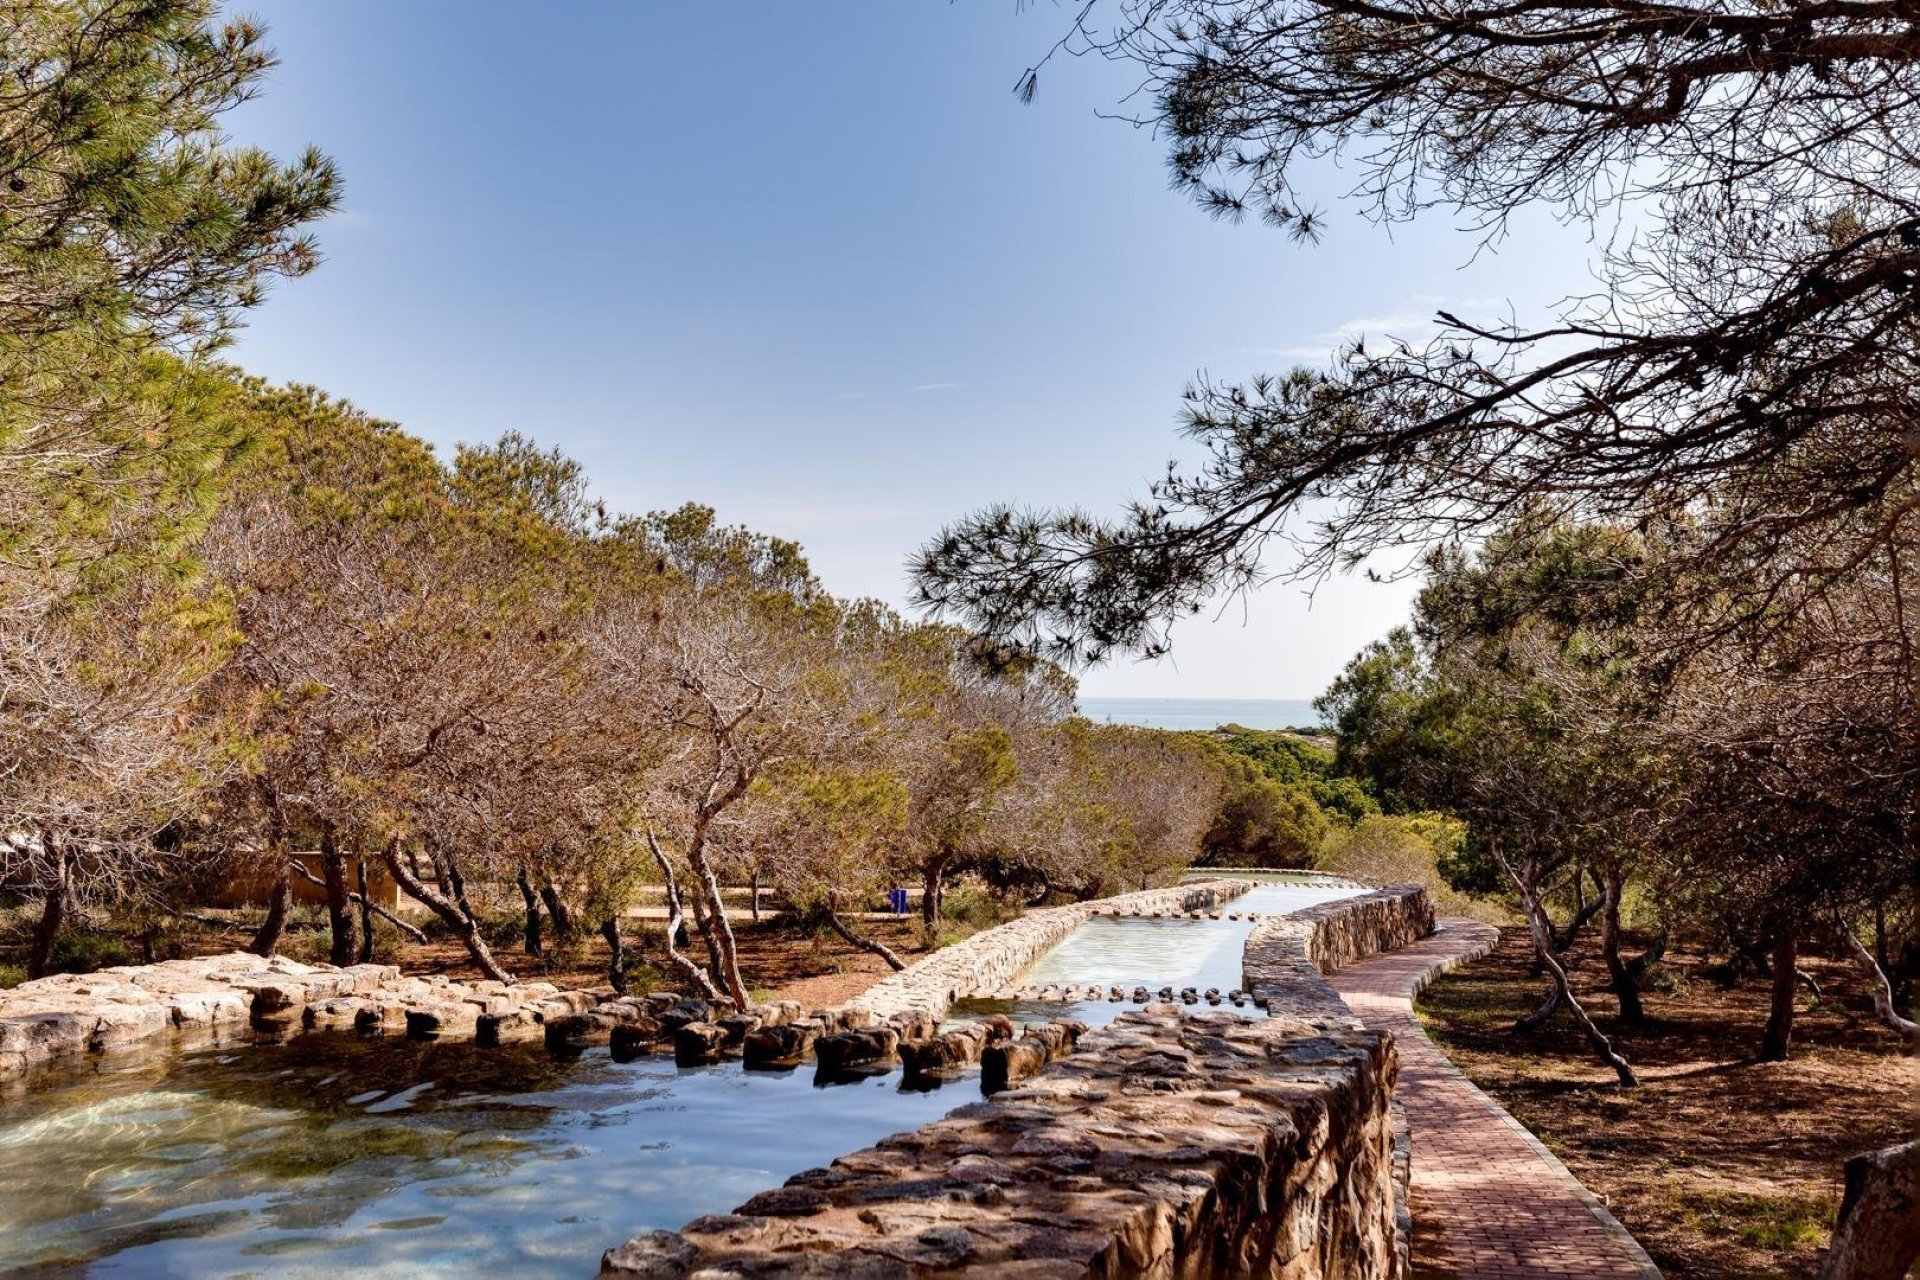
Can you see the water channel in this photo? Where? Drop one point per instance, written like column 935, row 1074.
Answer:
column 334, row 1154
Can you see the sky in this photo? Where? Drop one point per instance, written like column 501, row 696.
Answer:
column 816, row 266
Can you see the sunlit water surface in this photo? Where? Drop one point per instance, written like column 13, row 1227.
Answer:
column 333, row 1155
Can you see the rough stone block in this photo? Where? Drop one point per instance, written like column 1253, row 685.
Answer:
column 698, row 1042
column 634, row 1038
column 491, row 1030
column 39, row 1036
column 442, row 1018
column 781, row 1045
column 844, row 1050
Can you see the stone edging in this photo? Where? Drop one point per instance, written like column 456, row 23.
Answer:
column 989, row 960
column 210, row 998
column 1479, row 950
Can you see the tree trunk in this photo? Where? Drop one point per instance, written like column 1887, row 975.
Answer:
column 53, row 909
column 457, row 915
column 676, row 921
column 1583, row 911
column 870, row 945
column 530, row 930
column 708, row 938
column 616, row 954
column 562, row 914
column 1877, row 1236
column 930, row 880
column 1542, row 930
column 1880, row 953
column 333, row 869
column 1626, row 989
column 366, row 906
column 1776, row 1042
column 720, row 931
column 753, row 884
column 266, row 940
column 1531, row 1022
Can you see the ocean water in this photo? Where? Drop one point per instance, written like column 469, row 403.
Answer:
column 1202, row 713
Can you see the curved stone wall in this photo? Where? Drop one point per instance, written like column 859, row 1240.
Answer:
column 1171, row 1144
column 1287, row 955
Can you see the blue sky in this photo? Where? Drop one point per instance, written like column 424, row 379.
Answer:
column 815, row 265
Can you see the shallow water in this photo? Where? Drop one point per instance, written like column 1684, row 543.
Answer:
column 336, row 1155
column 1129, row 952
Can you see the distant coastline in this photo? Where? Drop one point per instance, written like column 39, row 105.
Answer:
column 1202, row 713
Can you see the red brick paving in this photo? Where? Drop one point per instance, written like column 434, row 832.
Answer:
column 1488, row 1200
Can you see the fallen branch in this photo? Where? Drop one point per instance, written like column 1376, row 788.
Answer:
column 873, row 946
column 211, row 922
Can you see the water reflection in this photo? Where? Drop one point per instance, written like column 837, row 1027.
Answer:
column 331, row 1154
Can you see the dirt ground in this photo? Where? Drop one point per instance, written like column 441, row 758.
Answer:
column 1721, row 1167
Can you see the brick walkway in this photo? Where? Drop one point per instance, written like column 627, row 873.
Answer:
column 1488, row 1199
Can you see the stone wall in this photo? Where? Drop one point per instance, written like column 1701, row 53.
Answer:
column 1286, row 955
column 1172, row 1144
column 990, row 960
column 65, row 1014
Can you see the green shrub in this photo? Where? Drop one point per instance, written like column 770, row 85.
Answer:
column 85, row 950
column 970, row 904
column 11, row 975
column 308, row 946
column 1411, row 849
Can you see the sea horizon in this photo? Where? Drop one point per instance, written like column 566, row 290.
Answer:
column 1203, row 713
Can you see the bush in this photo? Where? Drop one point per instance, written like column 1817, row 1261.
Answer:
column 11, row 975
column 1408, row 850
column 1263, row 823
column 85, row 950
column 308, row 946
column 971, row 904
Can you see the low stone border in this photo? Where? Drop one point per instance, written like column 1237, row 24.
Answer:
column 213, row 996
column 989, row 960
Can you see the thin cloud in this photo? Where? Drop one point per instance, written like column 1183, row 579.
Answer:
column 938, row 386
column 849, row 395
column 1413, row 322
